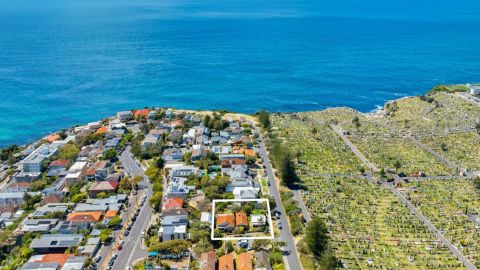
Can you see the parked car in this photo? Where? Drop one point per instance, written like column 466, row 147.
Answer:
column 98, row 258
column 279, row 225
column 126, row 233
column 120, row 247
column 114, row 256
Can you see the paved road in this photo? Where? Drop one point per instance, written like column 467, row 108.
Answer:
column 412, row 208
column 468, row 97
column 365, row 161
column 292, row 259
column 132, row 249
column 432, row 228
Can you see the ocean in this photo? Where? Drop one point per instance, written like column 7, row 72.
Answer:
column 64, row 63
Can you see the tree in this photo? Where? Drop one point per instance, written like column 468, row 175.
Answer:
column 264, row 118
column 397, row 165
column 125, row 185
column 316, row 236
column 314, row 131
column 105, row 235
column 69, row 151
column 115, row 222
column 109, row 154
column 356, row 122
column 160, row 163
column 102, row 195
column 156, row 200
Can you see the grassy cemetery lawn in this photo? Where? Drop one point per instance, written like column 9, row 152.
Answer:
column 434, row 114
column 461, row 148
column 318, row 151
column 451, row 205
column 370, row 228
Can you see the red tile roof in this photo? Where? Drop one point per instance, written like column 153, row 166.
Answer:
column 102, row 130
column 85, row 216
column 143, row 112
column 104, row 186
column 229, row 219
column 59, row 163
column 59, row 258
column 225, row 262
column 207, row 260
column 172, row 203
column 241, row 219
column 244, row 261
column 228, row 162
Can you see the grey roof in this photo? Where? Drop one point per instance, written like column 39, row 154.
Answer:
column 174, row 220
column 261, row 260
column 85, row 207
column 74, row 263
column 57, row 240
column 40, row 266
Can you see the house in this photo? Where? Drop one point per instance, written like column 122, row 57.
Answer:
column 19, row 187
column 225, row 262
column 220, row 150
column 174, row 212
column 70, row 227
column 12, row 198
column 172, row 154
column 177, row 191
column 245, row 193
column 59, row 164
column 40, row 266
column 90, row 248
column 99, row 170
column 173, row 227
column 225, row 222
column 74, row 178
column 208, row 260
column 141, row 113
column 74, row 263
column 110, row 214
column 239, row 182
column 81, row 217
column 53, row 197
column 183, row 172
column 38, row 225
column 102, row 130
column 194, row 201
column 87, row 207
column 102, row 186
column 51, row 208
column 474, row 90
column 244, row 261
column 149, row 141
column 172, row 203
column 112, row 143
column 198, row 153
column 206, row 217
column 125, row 116
column 60, row 259
column 228, row 162
column 34, row 162
column 258, row 220
column 55, row 243
column 241, row 219
column 262, row 262
column 114, row 177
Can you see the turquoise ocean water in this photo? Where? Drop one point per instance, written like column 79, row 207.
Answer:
column 70, row 62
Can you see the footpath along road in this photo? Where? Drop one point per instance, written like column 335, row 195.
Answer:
column 291, row 257
column 132, row 249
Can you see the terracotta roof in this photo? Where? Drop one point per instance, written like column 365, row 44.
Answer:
column 59, row 258
column 244, row 261
column 104, row 186
column 110, row 214
column 247, row 152
column 91, row 172
column 85, row 216
column 176, row 123
column 59, row 163
column 53, row 137
column 171, row 203
column 143, row 112
column 52, row 198
column 226, row 218
column 20, row 185
column 241, row 218
column 207, row 260
column 228, row 162
column 225, row 262
column 102, row 130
